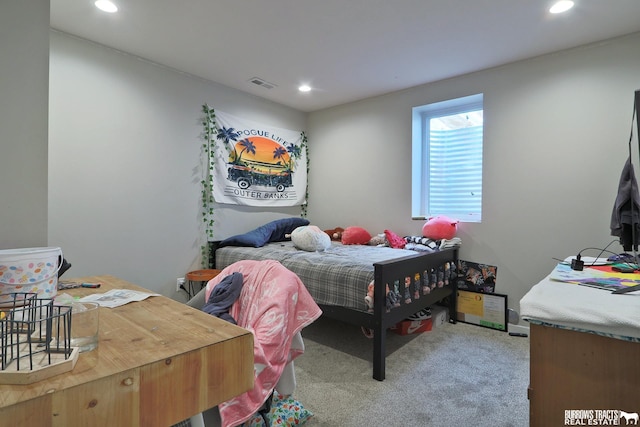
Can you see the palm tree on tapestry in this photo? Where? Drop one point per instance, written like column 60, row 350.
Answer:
column 247, row 146
column 279, row 153
column 294, row 153
column 227, row 135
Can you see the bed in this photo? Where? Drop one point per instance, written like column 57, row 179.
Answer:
column 338, row 280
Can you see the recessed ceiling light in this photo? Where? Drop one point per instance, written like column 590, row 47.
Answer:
column 106, row 6
column 561, row 6
column 304, row 88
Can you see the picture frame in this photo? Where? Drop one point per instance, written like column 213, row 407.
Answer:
column 484, row 309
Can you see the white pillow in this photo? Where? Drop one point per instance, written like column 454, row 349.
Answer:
column 310, row 238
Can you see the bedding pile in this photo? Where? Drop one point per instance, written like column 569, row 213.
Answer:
column 274, row 305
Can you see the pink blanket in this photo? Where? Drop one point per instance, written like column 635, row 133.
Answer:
column 274, row 305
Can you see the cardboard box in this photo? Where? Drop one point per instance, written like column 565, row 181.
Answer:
column 439, row 315
column 407, row 327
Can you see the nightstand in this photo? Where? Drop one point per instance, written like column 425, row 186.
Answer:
column 199, row 276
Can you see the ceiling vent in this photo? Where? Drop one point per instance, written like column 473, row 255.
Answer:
column 258, row 81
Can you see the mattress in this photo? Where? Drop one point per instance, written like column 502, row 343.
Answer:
column 338, row 276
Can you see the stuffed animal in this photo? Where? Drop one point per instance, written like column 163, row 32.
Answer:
column 355, row 236
column 368, row 299
column 310, row 238
column 335, row 234
column 378, row 240
column 440, row 227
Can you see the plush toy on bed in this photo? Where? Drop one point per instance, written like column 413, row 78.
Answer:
column 440, row 227
column 368, row 299
column 392, row 298
column 310, row 238
column 355, row 235
column 378, row 240
column 335, row 234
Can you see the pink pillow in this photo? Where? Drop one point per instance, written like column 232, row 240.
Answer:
column 394, row 240
column 355, row 236
column 440, row 227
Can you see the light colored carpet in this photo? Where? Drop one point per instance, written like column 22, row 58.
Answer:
column 455, row 375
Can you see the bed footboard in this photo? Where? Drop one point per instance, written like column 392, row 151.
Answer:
column 397, row 271
column 405, row 272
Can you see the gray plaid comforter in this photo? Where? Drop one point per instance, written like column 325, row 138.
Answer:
column 338, row 276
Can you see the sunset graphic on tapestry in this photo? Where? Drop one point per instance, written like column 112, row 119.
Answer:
column 264, row 153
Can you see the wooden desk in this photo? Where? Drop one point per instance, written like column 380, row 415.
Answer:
column 158, row 362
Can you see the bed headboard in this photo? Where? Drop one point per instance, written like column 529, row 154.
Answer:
column 213, row 246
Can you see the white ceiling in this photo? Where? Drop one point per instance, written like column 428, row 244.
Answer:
column 345, row 50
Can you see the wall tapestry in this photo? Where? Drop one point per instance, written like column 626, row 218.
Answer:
column 257, row 164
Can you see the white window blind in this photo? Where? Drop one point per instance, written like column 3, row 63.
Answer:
column 447, row 159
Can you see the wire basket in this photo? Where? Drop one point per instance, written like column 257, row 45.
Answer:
column 35, row 339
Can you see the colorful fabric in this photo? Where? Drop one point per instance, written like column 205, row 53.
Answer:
column 394, row 240
column 285, row 411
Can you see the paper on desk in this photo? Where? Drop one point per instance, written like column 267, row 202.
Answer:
column 117, row 297
column 565, row 273
column 595, row 278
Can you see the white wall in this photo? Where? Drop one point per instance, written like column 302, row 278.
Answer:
column 124, row 163
column 124, row 155
column 24, row 67
column 556, row 133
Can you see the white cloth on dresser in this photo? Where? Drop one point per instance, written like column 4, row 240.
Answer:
column 583, row 308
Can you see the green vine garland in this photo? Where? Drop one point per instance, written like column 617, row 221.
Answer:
column 305, row 202
column 208, row 162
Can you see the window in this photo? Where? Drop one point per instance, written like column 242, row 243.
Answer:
column 447, row 159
